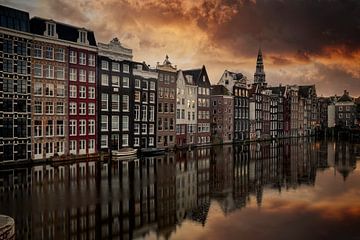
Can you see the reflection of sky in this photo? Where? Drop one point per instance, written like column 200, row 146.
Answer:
column 329, row 210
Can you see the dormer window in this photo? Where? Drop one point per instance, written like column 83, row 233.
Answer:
column 82, row 37
column 50, row 29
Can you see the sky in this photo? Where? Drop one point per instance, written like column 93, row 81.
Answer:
column 303, row 41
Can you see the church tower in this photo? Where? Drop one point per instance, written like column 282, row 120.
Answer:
column 259, row 76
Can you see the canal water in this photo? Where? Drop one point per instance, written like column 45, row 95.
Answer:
column 291, row 189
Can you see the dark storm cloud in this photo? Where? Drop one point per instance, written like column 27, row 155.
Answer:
column 287, row 26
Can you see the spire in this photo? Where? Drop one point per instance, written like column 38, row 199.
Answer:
column 259, row 76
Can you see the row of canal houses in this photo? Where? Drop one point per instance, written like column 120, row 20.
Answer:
column 63, row 94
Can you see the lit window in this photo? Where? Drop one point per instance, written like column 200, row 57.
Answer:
column 73, row 57
column 104, row 65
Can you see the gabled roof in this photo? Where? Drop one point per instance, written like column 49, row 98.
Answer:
column 181, row 73
column 219, row 90
column 280, row 90
column 345, row 97
column 63, row 30
column 196, row 75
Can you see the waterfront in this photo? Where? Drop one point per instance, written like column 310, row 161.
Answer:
column 296, row 189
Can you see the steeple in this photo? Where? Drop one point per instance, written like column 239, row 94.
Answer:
column 259, row 76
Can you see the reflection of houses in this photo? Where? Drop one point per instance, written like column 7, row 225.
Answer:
column 186, row 182
column 345, row 159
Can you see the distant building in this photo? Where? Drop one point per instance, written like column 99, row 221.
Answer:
column 15, row 82
column 345, row 111
column 202, row 82
column 222, row 115
column 323, row 103
column 293, row 101
column 166, row 100
column 311, row 114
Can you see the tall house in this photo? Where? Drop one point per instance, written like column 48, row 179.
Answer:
column 15, row 81
column 236, row 84
column 222, row 115
column 115, row 92
column 293, row 101
column 67, row 55
column 277, row 111
column 186, row 110
column 166, row 115
column 49, row 113
column 345, row 111
column 308, row 93
column 266, row 101
column 145, row 89
column 201, row 80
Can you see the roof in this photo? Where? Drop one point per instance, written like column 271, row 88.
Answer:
column 180, row 72
column 345, row 97
column 197, row 75
column 63, row 30
column 280, row 90
column 8, row 15
column 304, row 91
column 219, row 90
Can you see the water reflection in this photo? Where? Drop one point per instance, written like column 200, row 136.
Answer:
column 171, row 195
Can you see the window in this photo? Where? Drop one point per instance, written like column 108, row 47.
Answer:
column 82, row 58
column 82, row 75
column 82, row 127
column 136, row 142
column 82, row 108
column 72, row 108
column 91, row 93
column 8, row 85
column 152, row 86
column 115, row 67
column 151, row 113
column 125, row 103
column 115, row 102
column 137, row 96
column 91, row 77
column 144, row 112
column 50, row 128
column 104, row 80
column 104, row 141
column 21, row 48
column 60, row 54
column 125, row 123
column 91, row 126
column 145, row 85
column 49, row 148
column 137, row 128
column 38, row 70
column 60, row 126
column 72, row 146
column 82, row 92
column 125, row 68
column 49, row 53
column 91, row 109
column 21, row 85
column 38, row 148
column 144, row 128
column 151, row 141
column 60, row 73
column 137, row 83
column 37, row 51
column 50, row 29
column 151, row 128
column 8, row 46
column 115, row 123
column 104, row 102
column 38, row 107
column 60, row 147
column 125, row 82
column 49, row 90
column 125, row 140
column 104, row 123
column 137, row 113
column 91, row 146
column 73, row 57
column 49, row 71
column 73, row 74
column 104, row 65
column 72, row 128
column 91, row 60
column 73, row 91
column 60, row 109
column 152, row 97
column 8, row 65
column 21, row 67
column 82, row 36
column 38, row 128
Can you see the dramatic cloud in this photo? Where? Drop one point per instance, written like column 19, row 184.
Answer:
column 305, row 41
